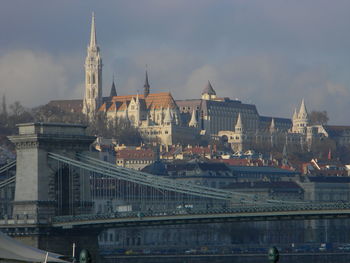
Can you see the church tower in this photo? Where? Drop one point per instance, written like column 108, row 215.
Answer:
column 93, row 75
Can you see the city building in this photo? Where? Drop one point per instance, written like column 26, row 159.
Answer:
column 135, row 159
column 161, row 119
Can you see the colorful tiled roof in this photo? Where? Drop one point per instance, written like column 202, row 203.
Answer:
column 152, row 101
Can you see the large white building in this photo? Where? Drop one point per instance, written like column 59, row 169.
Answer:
column 161, row 119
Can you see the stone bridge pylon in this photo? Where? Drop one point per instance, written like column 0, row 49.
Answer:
column 43, row 188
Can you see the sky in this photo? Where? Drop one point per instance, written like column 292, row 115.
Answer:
column 270, row 53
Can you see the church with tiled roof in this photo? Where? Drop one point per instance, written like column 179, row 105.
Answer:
column 161, row 119
column 156, row 115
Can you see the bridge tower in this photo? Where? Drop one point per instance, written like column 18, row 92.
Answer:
column 41, row 190
column 44, row 189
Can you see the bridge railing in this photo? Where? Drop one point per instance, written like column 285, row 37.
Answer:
column 7, row 166
column 229, row 210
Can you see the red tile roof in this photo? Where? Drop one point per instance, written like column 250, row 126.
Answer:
column 136, row 154
column 152, row 101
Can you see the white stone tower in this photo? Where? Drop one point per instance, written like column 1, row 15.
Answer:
column 239, row 124
column 93, row 75
column 300, row 119
column 239, row 135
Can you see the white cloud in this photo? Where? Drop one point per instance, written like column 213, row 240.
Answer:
column 198, row 80
column 33, row 78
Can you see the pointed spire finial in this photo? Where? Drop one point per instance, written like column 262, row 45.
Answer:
column 239, row 124
column 137, row 97
column 113, row 89
column 303, row 112
column 146, row 86
column 93, row 42
column 193, row 122
column 272, row 125
column 295, row 114
column 209, row 90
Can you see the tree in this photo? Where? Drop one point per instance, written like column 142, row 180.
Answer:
column 49, row 113
column 4, row 107
column 318, row 118
column 18, row 114
column 16, row 109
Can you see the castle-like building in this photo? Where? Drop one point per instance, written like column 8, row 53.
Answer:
column 155, row 115
column 161, row 119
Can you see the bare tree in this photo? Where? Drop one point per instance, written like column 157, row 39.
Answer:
column 318, row 118
column 4, row 107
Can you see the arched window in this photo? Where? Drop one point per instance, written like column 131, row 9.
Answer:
column 93, row 78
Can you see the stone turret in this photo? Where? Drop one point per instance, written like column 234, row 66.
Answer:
column 193, row 122
column 168, row 119
column 208, row 93
column 239, row 124
column 272, row 126
column 300, row 119
column 303, row 112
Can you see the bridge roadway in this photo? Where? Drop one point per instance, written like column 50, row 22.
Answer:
column 241, row 213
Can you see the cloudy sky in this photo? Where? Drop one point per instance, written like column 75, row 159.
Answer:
column 271, row 53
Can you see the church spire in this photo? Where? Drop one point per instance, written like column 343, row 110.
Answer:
column 113, row 89
column 93, row 42
column 146, row 86
column 93, row 76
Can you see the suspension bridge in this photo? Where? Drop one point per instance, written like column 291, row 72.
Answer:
column 58, row 184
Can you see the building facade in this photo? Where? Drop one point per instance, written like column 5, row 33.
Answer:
column 161, row 119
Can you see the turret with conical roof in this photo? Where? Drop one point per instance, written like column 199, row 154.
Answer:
column 303, row 112
column 239, row 124
column 295, row 114
column 300, row 119
column 193, row 122
column 208, row 93
column 272, row 126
